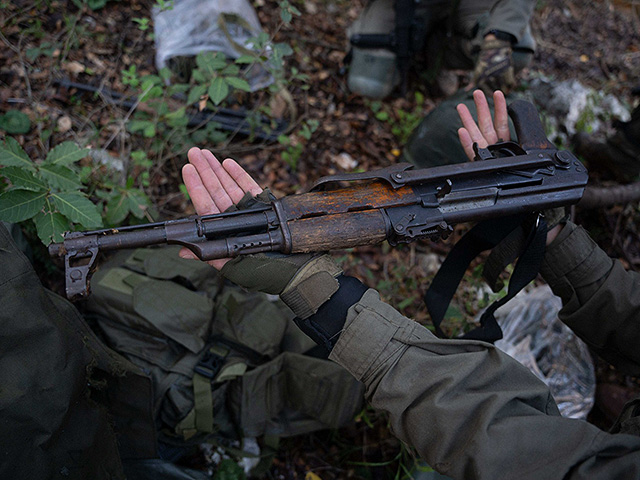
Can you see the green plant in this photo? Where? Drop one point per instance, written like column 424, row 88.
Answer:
column 143, row 23
column 56, row 194
column 45, row 48
column 403, row 122
column 91, row 4
column 130, row 76
column 14, row 122
column 163, row 5
column 49, row 193
column 295, row 143
column 229, row 470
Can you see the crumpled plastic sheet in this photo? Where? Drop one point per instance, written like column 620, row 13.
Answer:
column 535, row 337
column 193, row 26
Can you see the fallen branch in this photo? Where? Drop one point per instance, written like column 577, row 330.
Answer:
column 598, row 197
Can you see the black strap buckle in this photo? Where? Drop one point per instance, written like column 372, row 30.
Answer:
column 212, row 361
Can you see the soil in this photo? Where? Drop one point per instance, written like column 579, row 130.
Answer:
column 597, row 42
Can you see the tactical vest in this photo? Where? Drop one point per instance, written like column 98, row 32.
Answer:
column 225, row 364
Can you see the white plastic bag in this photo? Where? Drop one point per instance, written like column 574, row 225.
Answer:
column 535, row 337
column 194, row 26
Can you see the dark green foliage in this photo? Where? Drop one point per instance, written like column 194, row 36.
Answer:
column 15, row 122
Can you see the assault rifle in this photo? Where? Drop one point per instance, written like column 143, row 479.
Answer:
column 399, row 204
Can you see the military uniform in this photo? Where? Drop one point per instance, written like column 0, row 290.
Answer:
column 458, row 34
column 452, row 32
column 179, row 359
column 53, row 370
column 472, row 411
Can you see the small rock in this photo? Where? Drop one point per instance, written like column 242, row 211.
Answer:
column 345, row 161
column 64, row 124
column 429, row 262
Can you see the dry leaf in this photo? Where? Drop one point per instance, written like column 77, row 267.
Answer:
column 74, row 67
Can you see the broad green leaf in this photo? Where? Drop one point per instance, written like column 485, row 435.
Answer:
column 178, row 88
column 149, row 131
column 151, row 86
column 147, row 127
column 12, row 155
column 50, row 225
column 210, row 62
column 231, row 70
column 59, row 177
column 176, row 115
column 238, row 83
column 23, row 179
column 243, row 59
column 78, row 209
column 19, row 205
column 165, row 73
column 218, row 90
column 117, row 209
column 195, row 93
column 138, row 203
column 286, row 16
column 198, row 77
column 161, row 107
column 66, row 153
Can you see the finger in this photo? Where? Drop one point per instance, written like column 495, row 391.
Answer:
column 466, row 142
column 470, row 125
column 199, row 194
column 485, row 122
column 231, row 187
column 210, row 178
column 501, row 116
column 189, row 255
column 241, row 177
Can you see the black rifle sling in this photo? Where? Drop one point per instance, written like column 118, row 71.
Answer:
column 480, row 238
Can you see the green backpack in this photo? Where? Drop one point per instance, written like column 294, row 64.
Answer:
column 225, row 364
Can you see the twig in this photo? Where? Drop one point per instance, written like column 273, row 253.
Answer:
column 126, row 117
column 18, row 51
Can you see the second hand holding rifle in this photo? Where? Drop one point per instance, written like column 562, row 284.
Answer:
column 399, row 204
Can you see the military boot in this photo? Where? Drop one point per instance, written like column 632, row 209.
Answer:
column 619, row 153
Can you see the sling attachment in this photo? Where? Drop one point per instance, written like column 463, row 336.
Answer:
column 485, row 236
column 204, row 372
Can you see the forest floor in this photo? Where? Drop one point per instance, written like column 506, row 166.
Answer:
column 332, row 131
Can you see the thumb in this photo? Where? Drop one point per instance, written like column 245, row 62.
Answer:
column 186, row 253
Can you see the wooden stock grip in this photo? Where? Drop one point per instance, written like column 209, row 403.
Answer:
column 528, row 126
column 343, row 230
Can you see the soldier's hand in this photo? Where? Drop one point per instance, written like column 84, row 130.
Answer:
column 214, row 187
column 494, row 68
column 486, row 131
column 304, row 281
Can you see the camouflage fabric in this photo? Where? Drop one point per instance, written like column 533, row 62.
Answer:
column 494, row 68
column 476, row 413
column 451, row 35
column 60, row 398
column 225, row 363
